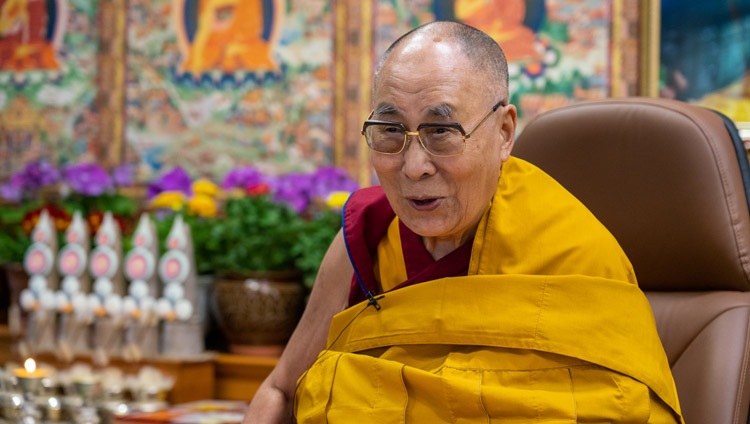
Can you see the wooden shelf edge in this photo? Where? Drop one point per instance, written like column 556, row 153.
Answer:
column 237, row 366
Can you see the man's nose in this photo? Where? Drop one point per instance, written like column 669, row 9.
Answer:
column 417, row 160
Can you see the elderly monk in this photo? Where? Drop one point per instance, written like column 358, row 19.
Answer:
column 470, row 287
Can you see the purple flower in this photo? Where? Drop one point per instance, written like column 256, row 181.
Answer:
column 26, row 182
column 174, row 180
column 329, row 179
column 122, row 176
column 88, row 179
column 294, row 199
column 299, row 190
column 292, row 190
column 243, row 178
column 39, row 174
column 13, row 189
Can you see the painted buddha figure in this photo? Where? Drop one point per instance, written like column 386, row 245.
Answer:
column 23, row 42
column 229, row 38
column 503, row 21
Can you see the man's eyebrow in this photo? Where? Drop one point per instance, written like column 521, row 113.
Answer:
column 384, row 109
column 442, row 110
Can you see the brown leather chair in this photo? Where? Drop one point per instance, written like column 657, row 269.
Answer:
column 670, row 181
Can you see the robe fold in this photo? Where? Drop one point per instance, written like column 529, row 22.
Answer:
column 548, row 325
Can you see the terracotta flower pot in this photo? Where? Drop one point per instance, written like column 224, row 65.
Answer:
column 257, row 313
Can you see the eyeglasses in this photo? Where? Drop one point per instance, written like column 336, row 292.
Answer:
column 438, row 139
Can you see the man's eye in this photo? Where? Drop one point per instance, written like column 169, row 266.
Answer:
column 438, row 132
column 393, row 130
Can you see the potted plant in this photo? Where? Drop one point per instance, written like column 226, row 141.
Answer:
column 262, row 239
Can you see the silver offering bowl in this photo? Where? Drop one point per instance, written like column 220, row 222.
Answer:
column 30, row 385
column 88, row 390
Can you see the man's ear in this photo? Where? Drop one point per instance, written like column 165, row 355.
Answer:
column 508, row 130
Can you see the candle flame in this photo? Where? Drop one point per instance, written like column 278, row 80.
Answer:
column 30, row 365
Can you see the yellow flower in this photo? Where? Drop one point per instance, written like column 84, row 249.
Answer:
column 206, row 187
column 202, row 205
column 337, row 199
column 169, row 199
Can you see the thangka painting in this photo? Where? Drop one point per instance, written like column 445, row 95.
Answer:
column 705, row 54
column 215, row 84
column 558, row 51
column 47, row 81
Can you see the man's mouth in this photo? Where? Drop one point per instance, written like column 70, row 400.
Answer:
column 426, row 204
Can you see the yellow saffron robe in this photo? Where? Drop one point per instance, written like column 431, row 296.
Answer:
column 549, row 326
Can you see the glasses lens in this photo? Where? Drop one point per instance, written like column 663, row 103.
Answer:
column 385, row 138
column 442, row 141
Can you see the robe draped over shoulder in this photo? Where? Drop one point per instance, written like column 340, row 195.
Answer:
column 545, row 323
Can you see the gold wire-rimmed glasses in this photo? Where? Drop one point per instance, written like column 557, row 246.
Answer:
column 438, row 139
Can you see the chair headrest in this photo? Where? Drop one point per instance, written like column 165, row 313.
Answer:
column 663, row 176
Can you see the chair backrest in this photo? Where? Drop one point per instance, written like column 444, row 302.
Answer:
column 670, row 182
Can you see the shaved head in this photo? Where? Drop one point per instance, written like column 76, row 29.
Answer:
column 480, row 50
